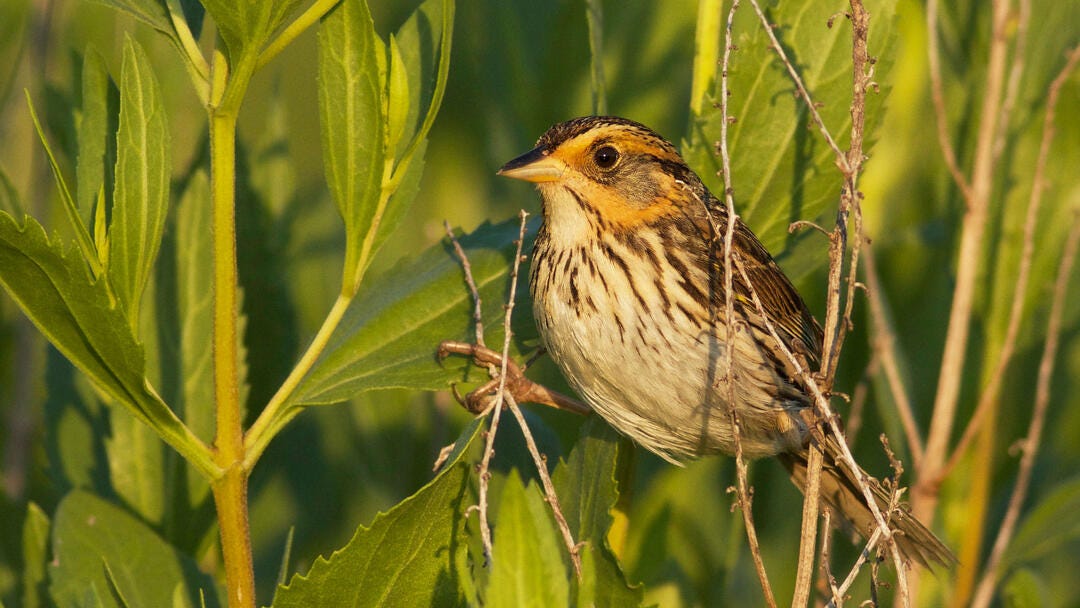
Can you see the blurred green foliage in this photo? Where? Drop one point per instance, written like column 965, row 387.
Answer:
column 517, row 67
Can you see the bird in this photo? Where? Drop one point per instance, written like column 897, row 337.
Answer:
column 628, row 294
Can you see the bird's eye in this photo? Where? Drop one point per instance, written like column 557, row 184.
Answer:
column 606, row 157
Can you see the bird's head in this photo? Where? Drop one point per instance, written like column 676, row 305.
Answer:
column 608, row 171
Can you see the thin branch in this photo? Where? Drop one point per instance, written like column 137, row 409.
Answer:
column 484, row 474
column 549, row 489
column 505, row 395
column 497, row 404
column 804, row 574
column 508, row 380
column 864, row 557
column 1030, row 445
column 1016, row 313
column 850, row 164
column 478, row 310
column 938, row 95
column 744, row 494
column 1016, row 72
column 827, row 578
column 841, row 158
column 824, row 412
column 886, row 348
column 746, row 501
column 969, row 257
column 861, row 79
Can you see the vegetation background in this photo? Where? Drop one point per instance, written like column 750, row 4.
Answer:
column 517, row 68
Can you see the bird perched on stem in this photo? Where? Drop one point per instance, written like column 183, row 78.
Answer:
column 628, row 284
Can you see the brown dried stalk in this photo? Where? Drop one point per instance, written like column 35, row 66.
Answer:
column 1023, row 273
column 824, row 412
column 827, row 580
column 746, row 506
column 885, row 348
column 545, row 480
column 850, row 164
column 743, row 491
column 1030, row 445
column 478, row 310
column 836, row 325
column 924, row 499
column 507, row 384
column 1016, row 71
column 938, row 95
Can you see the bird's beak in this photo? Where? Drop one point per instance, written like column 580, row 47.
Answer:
column 536, row 165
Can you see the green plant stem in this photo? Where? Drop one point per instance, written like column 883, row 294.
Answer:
column 594, row 16
column 706, row 52
column 230, row 491
column 277, row 414
column 230, row 498
column 303, row 22
column 195, row 63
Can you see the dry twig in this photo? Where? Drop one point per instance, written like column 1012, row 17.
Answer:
column 836, row 324
column 885, row 349
column 1016, row 71
column 478, row 310
column 824, row 412
column 828, row 581
column 1016, row 312
column 973, row 228
column 508, row 380
column 1030, row 445
column 744, row 493
column 937, row 93
column 850, row 164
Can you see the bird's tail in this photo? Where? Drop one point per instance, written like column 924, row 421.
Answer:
column 840, row 492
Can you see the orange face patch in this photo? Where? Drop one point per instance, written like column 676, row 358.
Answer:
column 622, row 198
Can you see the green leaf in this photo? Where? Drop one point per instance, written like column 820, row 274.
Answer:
column 585, row 483
column 406, row 557
column 424, row 41
column 143, row 163
column 82, row 235
column 389, row 335
column 136, row 460
column 401, row 200
column 782, row 169
column 398, row 102
column 1048, row 525
column 94, row 540
column 587, row 490
column 1025, row 589
column 35, row 555
column 419, row 33
column 14, row 28
column 150, row 12
column 246, row 25
column 272, row 174
column 10, row 202
column 352, row 102
column 74, row 424
column 96, row 125
column 529, row 563
column 194, row 300
column 79, row 316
